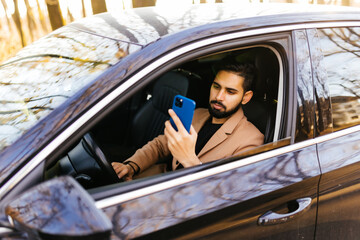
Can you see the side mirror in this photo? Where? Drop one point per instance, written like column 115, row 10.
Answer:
column 58, row 209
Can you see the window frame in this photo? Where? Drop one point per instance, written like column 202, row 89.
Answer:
column 142, row 187
column 154, row 69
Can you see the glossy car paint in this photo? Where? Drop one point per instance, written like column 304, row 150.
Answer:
column 51, row 216
column 227, row 204
column 339, row 191
column 283, row 177
column 305, row 91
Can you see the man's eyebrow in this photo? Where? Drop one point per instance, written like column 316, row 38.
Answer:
column 232, row 89
column 228, row 89
column 214, row 82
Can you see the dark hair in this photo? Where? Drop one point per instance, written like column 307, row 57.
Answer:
column 245, row 70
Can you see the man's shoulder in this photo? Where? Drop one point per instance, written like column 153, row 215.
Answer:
column 247, row 129
column 252, row 132
column 249, row 125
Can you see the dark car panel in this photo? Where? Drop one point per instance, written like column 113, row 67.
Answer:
column 227, row 196
column 339, row 190
column 305, row 91
column 339, row 152
column 47, row 215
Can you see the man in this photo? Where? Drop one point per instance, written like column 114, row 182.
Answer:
column 220, row 131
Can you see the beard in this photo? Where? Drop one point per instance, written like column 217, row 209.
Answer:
column 219, row 114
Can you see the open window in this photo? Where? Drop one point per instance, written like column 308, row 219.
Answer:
column 142, row 116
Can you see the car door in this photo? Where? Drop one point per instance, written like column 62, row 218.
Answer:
column 336, row 49
column 270, row 194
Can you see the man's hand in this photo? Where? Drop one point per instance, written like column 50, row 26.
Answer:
column 124, row 171
column 181, row 143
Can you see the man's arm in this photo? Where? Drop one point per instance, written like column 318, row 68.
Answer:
column 180, row 144
column 124, row 171
column 143, row 158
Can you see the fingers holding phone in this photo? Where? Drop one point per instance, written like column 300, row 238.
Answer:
column 175, row 122
column 180, row 133
column 182, row 144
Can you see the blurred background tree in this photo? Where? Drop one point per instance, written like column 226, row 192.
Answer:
column 143, row 3
column 98, row 6
column 24, row 21
column 55, row 16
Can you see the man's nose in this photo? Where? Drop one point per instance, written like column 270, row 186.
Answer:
column 220, row 96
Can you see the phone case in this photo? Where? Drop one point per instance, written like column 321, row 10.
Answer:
column 184, row 109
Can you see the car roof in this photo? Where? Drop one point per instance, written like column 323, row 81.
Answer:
column 145, row 25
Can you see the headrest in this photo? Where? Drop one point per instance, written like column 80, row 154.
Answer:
column 256, row 113
column 267, row 66
column 166, row 88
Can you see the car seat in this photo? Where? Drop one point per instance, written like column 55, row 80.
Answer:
column 149, row 120
column 261, row 110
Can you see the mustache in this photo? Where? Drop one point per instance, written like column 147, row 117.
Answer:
column 219, row 103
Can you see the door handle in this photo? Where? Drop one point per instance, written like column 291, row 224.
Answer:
column 271, row 218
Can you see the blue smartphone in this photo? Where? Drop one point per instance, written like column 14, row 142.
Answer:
column 184, row 109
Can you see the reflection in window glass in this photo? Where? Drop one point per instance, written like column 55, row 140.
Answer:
column 48, row 72
column 341, row 49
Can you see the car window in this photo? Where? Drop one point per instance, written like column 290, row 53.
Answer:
column 341, row 51
column 141, row 117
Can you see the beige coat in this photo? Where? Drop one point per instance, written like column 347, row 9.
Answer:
column 234, row 136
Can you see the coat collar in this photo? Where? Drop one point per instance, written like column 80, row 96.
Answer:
column 224, row 131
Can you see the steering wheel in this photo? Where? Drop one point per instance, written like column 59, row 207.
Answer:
column 100, row 157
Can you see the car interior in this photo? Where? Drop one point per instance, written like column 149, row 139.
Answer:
column 142, row 116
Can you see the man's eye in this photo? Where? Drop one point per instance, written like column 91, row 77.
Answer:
column 231, row 92
column 215, row 86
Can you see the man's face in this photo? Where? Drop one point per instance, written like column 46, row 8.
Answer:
column 227, row 95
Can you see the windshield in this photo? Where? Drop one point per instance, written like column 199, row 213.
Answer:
column 46, row 73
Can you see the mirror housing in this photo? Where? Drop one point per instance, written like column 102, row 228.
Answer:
column 58, row 209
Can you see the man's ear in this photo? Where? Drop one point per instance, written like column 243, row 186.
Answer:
column 247, row 97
